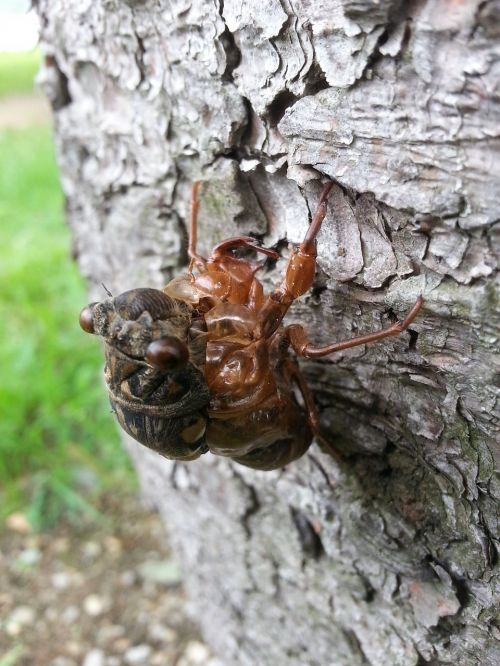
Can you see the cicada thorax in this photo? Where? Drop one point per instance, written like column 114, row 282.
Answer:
column 238, row 369
column 156, row 386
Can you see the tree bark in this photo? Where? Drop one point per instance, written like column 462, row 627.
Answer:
column 390, row 556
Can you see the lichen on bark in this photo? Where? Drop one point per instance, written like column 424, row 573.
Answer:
column 391, row 556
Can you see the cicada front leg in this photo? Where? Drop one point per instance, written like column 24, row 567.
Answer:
column 194, row 258
column 299, row 274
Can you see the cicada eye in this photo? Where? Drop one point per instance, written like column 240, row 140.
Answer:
column 87, row 319
column 167, row 353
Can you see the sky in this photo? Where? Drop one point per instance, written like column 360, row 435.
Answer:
column 18, row 26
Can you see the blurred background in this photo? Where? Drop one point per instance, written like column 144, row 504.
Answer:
column 85, row 575
column 56, row 416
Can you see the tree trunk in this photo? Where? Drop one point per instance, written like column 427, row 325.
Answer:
column 390, row 556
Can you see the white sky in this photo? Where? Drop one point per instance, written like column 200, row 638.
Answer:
column 18, row 26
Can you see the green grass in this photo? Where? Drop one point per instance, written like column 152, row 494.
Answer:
column 17, row 71
column 57, row 438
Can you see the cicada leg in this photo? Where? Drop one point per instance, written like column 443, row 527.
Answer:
column 292, row 371
column 301, row 345
column 230, row 244
column 299, row 274
column 195, row 259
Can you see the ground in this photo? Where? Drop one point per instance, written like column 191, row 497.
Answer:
column 103, row 595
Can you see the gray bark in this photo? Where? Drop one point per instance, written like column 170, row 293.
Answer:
column 389, row 557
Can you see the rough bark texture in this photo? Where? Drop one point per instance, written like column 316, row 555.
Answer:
column 389, row 558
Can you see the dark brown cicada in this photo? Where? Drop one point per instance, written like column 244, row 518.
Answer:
column 154, row 370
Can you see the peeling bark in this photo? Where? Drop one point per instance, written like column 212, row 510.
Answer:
column 390, row 557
